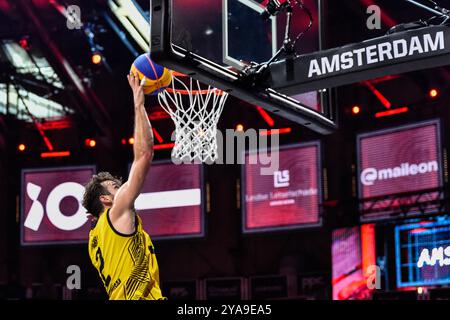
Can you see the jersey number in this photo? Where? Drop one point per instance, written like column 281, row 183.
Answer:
column 99, row 256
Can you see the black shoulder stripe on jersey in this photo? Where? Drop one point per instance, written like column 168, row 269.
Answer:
column 117, row 232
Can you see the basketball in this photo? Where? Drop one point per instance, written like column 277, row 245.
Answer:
column 156, row 77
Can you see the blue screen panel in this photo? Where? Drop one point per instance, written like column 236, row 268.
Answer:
column 423, row 253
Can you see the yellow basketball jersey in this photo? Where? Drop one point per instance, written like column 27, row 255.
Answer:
column 126, row 263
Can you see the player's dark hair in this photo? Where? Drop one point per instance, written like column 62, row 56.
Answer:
column 94, row 189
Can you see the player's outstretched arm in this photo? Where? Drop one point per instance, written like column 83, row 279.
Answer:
column 121, row 211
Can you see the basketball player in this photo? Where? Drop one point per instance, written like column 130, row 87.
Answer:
column 120, row 250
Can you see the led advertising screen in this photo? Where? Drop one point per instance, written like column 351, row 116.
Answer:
column 225, row 289
column 268, row 287
column 180, row 290
column 51, row 210
column 394, row 165
column 287, row 198
column 314, row 285
column 171, row 201
column 353, row 252
column 423, row 253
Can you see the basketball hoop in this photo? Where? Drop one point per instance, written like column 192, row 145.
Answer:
column 195, row 110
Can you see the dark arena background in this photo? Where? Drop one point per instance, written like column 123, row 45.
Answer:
column 359, row 213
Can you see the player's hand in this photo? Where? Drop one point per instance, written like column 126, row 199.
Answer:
column 138, row 92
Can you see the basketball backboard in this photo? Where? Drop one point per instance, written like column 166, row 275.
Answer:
column 215, row 41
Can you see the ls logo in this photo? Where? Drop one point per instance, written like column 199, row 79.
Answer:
column 281, row 179
column 52, row 207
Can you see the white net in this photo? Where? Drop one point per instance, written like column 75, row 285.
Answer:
column 195, row 112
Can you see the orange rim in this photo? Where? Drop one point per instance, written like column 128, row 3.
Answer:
column 187, row 92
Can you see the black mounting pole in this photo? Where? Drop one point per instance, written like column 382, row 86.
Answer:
column 436, row 10
column 256, row 70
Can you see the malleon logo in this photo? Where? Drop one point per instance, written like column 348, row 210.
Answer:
column 370, row 175
column 51, row 205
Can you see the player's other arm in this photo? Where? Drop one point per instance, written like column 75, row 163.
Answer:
column 121, row 212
